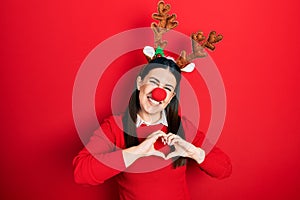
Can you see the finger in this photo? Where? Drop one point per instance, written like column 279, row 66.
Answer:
column 157, row 133
column 171, row 138
column 183, row 143
column 175, row 140
column 169, row 134
column 154, row 133
column 165, row 137
column 154, row 138
column 171, row 155
column 163, row 140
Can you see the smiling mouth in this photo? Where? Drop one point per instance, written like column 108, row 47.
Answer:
column 153, row 101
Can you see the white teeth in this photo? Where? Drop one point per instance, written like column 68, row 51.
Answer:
column 153, row 101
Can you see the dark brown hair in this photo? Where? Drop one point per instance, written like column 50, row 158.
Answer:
column 174, row 120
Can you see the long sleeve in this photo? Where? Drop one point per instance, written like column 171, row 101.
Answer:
column 216, row 163
column 101, row 159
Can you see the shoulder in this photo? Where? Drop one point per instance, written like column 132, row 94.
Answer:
column 192, row 133
column 112, row 126
column 113, row 121
column 188, row 125
column 185, row 121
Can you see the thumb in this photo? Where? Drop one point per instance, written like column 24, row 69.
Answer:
column 171, row 155
column 159, row 154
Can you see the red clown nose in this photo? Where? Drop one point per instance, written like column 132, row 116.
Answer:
column 159, row 94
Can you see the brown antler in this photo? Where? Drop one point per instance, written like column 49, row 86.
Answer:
column 166, row 22
column 198, row 45
column 212, row 39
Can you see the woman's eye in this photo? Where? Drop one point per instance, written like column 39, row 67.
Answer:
column 169, row 89
column 154, row 82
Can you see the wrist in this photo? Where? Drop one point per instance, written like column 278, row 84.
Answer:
column 132, row 151
column 130, row 155
column 198, row 155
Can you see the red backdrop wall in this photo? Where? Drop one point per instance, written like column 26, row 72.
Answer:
column 43, row 44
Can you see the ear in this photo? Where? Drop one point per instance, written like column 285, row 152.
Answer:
column 139, row 82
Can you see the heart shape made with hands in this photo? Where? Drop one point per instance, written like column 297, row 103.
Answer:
column 159, row 143
column 182, row 147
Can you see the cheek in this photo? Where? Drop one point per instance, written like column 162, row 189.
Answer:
column 146, row 89
column 169, row 98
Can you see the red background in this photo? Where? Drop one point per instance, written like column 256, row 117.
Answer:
column 43, row 44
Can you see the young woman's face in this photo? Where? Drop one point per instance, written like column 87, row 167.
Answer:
column 157, row 77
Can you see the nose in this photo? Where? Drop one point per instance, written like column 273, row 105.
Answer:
column 159, row 94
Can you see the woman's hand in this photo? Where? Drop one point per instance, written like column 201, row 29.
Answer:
column 184, row 148
column 146, row 148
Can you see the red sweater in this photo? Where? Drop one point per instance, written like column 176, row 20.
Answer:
column 102, row 159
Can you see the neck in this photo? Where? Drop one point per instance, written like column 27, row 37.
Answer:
column 150, row 118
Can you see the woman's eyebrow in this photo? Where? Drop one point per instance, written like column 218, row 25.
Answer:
column 155, row 79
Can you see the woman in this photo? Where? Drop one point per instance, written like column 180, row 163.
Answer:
column 148, row 147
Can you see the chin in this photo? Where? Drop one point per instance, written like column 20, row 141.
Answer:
column 152, row 111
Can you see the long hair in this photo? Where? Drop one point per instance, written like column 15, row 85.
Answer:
column 173, row 119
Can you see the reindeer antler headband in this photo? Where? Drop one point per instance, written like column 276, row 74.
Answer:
column 168, row 22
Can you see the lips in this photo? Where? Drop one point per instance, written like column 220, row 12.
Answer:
column 152, row 101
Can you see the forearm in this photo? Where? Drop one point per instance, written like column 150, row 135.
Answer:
column 217, row 164
column 198, row 155
column 130, row 155
column 95, row 169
